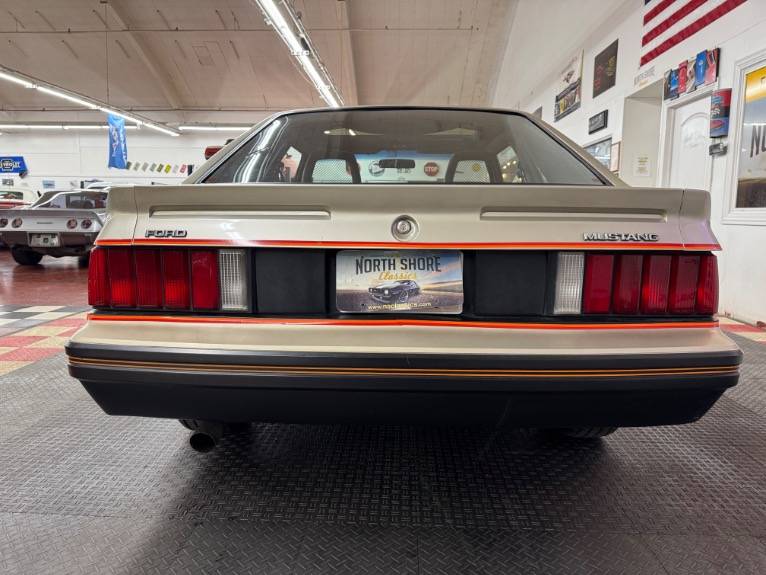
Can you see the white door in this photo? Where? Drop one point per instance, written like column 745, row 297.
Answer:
column 690, row 138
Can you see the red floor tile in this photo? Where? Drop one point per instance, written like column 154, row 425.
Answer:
column 30, row 353
column 56, row 281
column 20, row 340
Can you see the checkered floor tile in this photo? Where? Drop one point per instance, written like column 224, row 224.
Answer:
column 752, row 333
column 17, row 317
column 29, row 334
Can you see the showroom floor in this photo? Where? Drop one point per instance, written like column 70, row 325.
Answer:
column 81, row 492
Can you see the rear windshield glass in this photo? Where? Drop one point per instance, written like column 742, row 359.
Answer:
column 79, row 201
column 403, row 147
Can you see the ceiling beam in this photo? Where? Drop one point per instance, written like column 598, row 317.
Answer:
column 163, row 79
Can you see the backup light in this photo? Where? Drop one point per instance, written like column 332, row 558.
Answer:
column 3, row 222
column 233, row 280
column 16, row 223
column 71, row 224
column 569, row 275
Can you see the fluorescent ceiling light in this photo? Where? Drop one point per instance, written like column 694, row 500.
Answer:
column 318, row 75
column 213, row 128
column 90, row 103
column 72, row 99
column 16, row 80
column 59, row 127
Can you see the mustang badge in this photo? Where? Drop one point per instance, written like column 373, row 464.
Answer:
column 619, row 237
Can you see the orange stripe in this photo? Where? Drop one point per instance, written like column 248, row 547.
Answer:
column 406, row 246
column 491, row 373
column 400, row 322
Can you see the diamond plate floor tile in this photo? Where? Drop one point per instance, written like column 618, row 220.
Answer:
column 529, row 552
column 705, row 555
column 82, row 492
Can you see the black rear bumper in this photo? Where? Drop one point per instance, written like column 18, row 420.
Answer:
column 550, row 391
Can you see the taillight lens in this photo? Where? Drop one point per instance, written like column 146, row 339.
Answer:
column 122, row 280
column 16, row 223
column 707, row 285
column 597, row 283
column 98, row 279
column 3, row 222
column 148, row 279
column 175, row 268
column 627, row 284
column 654, row 284
column 683, row 284
column 204, row 272
column 71, row 224
column 86, row 224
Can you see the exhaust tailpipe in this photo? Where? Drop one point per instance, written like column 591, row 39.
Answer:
column 206, row 436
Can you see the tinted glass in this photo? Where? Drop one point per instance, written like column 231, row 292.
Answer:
column 403, row 146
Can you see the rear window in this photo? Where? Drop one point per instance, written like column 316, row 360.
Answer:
column 81, row 201
column 403, row 147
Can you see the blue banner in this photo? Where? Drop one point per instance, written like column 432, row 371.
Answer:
column 118, row 147
column 12, row 164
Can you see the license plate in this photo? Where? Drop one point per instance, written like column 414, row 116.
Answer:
column 44, row 240
column 410, row 281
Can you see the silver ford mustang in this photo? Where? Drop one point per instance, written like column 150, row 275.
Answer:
column 550, row 294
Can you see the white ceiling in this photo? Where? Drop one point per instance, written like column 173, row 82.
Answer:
column 216, row 60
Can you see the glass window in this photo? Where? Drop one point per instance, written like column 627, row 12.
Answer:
column 408, row 146
column 83, row 201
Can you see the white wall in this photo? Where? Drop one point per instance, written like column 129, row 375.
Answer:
column 529, row 74
column 72, row 156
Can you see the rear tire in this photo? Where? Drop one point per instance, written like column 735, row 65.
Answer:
column 587, row 432
column 25, row 257
column 83, row 260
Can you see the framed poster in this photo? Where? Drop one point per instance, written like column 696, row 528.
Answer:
column 605, row 69
column 751, row 169
column 602, row 151
column 569, row 92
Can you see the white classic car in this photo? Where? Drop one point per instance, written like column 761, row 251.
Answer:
column 59, row 223
column 549, row 293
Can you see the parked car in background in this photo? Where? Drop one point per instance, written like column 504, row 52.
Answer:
column 562, row 298
column 17, row 197
column 59, row 223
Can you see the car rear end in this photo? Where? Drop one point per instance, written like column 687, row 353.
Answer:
column 53, row 230
column 541, row 304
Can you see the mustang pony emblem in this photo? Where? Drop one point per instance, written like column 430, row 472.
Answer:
column 619, row 237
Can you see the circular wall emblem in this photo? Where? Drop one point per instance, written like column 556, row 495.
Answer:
column 375, row 169
column 404, row 228
column 431, row 169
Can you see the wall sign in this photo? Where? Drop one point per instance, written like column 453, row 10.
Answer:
column 12, row 164
column 751, row 174
column 569, row 93
column 691, row 74
column 598, row 122
column 605, row 69
column 720, row 102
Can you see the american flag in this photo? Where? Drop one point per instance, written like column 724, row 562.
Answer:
column 669, row 22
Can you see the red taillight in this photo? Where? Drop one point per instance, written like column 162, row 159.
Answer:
column 175, row 268
column 98, row 279
column 654, row 284
column 204, row 272
column 122, row 280
column 148, row 279
column 627, row 284
column 597, row 283
column 707, row 286
column 683, row 284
